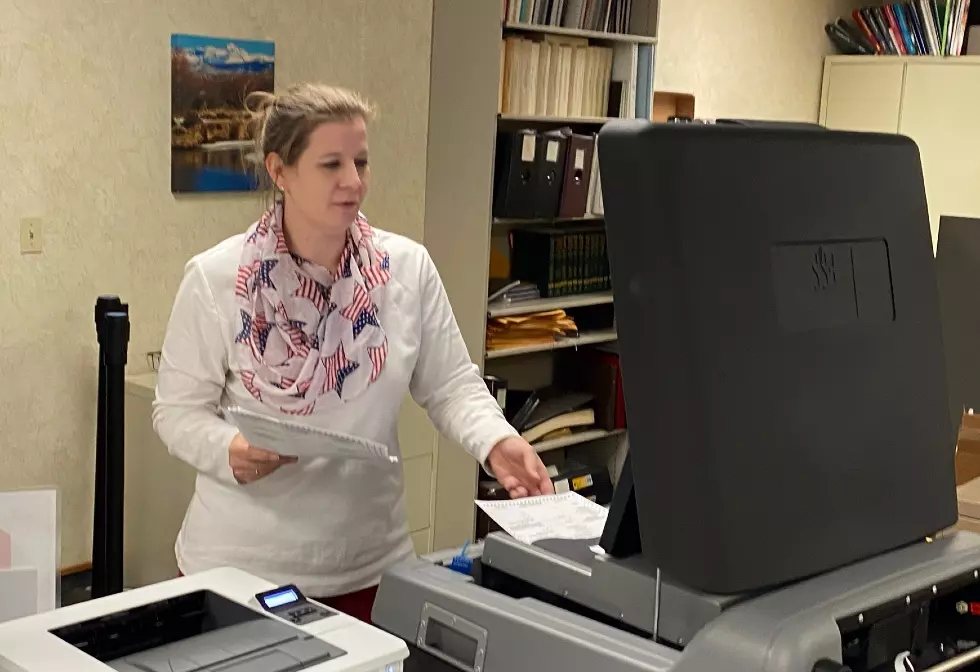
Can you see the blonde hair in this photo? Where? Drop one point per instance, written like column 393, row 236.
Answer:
column 282, row 123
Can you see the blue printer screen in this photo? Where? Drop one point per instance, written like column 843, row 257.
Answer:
column 285, row 596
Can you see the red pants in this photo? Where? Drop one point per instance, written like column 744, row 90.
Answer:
column 357, row 604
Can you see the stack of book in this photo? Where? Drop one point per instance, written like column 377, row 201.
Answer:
column 504, row 291
column 561, row 261
column 560, row 76
column 915, row 27
column 552, row 412
column 610, row 16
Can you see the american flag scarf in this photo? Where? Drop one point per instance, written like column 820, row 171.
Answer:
column 309, row 337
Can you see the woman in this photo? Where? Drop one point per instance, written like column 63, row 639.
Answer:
column 312, row 312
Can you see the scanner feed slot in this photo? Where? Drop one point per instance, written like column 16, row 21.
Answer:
column 936, row 627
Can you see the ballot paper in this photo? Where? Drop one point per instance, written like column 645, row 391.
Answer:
column 565, row 516
column 288, row 437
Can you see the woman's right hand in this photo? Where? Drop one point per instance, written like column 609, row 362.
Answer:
column 249, row 463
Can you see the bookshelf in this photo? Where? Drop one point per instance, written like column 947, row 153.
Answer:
column 482, row 57
column 577, row 439
column 594, row 337
column 553, row 119
column 557, row 303
column 603, row 36
column 560, row 74
column 523, row 221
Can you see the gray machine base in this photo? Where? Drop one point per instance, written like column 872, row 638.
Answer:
column 623, row 590
column 453, row 619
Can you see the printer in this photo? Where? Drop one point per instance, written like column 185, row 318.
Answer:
column 222, row 620
column 789, row 488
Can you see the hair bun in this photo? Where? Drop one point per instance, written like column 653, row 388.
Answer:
column 259, row 102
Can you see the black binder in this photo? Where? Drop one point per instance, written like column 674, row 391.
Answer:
column 550, row 159
column 515, row 179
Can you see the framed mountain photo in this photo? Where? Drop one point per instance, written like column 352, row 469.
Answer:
column 211, row 144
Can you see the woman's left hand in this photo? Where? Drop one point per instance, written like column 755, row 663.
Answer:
column 517, row 466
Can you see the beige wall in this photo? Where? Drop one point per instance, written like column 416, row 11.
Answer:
column 84, row 131
column 747, row 58
column 84, row 128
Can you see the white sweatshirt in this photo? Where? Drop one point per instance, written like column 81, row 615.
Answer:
column 328, row 525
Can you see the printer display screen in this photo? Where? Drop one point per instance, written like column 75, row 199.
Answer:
column 200, row 631
column 277, row 599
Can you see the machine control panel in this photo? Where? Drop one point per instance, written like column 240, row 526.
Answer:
column 287, row 602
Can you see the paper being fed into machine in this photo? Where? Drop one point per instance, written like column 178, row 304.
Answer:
column 298, row 440
column 565, row 516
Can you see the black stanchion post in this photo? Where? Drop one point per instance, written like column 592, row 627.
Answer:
column 101, row 563
column 117, row 348
column 103, row 305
